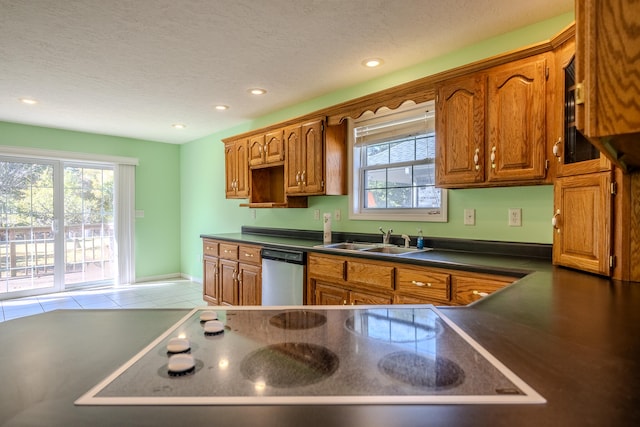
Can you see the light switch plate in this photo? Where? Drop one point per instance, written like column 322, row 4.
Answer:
column 469, row 217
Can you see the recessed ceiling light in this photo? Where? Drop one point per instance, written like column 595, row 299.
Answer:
column 222, row 107
column 28, row 101
column 257, row 91
column 372, row 62
column 178, row 125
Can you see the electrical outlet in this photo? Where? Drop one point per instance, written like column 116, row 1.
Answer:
column 515, row 217
column 469, row 217
column 337, row 215
column 253, row 213
column 316, row 214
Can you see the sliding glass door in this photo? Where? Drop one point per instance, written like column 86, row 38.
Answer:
column 56, row 226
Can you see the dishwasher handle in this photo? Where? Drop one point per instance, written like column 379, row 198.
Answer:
column 284, row 255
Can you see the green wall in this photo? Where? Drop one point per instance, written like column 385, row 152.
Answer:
column 205, row 210
column 157, row 237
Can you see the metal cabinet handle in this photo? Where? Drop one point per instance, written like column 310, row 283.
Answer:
column 476, row 159
column 555, row 221
column 298, row 177
column 556, row 149
column 428, row 284
column 303, row 177
column 493, row 157
column 247, row 254
column 482, row 294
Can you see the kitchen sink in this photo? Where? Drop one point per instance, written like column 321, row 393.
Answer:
column 373, row 248
column 393, row 250
column 345, row 246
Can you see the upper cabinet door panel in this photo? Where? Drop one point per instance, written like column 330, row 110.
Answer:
column 256, row 150
column 460, row 144
column 517, row 120
column 273, row 147
column 313, row 158
column 293, row 151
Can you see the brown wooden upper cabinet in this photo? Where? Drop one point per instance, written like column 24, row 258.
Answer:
column 265, row 149
column 315, row 159
column 608, row 80
column 304, row 147
column 236, row 169
column 491, row 126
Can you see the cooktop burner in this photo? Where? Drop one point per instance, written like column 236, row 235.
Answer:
column 421, row 371
column 289, row 364
column 320, row 355
column 298, row 319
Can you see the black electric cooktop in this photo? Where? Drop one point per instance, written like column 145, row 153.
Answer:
column 312, row 355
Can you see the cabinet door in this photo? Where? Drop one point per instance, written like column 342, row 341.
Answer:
column 312, row 158
column 293, row 153
column 256, row 153
column 423, row 283
column 230, row 169
column 326, row 294
column 516, row 121
column 583, row 221
column 228, row 282
column 210, row 288
column 574, row 153
column 460, row 143
column 242, row 168
column 273, row 146
column 250, row 284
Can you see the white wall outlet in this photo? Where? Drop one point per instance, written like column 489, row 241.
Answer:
column 253, row 213
column 316, row 214
column 139, row 214
column 469, row 217
column 515, row 217
column 337, row 215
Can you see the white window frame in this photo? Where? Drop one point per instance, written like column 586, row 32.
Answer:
column 356, row 210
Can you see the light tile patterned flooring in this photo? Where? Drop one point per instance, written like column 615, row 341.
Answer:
column 177, row 293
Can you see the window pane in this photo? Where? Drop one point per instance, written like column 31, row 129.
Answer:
column 428, row 197
column 375, row 199
column 375, row 178
column 399, row 198
column 403, row 151
column 424, row 174
column 400, row 177
column 425, row 147
column 377, row 154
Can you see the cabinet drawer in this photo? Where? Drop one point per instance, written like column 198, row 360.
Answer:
column 209, row 247
column 325, row 267
column 470, row 289
column 380, row 276
column 250, row 254
column 228, row 251
column 424, row 283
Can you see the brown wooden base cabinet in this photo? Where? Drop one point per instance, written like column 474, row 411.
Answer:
column 234, row 275
column 343, row 280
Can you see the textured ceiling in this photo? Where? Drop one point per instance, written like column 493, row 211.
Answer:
column 134, row 67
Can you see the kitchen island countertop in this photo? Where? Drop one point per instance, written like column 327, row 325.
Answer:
column 573, row 337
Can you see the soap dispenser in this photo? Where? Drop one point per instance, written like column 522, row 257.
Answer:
column 420, row 242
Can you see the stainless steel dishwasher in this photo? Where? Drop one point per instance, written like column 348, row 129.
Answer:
column 282, row 276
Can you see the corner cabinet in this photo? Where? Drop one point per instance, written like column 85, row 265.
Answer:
column 491, row 126
column 236, row 169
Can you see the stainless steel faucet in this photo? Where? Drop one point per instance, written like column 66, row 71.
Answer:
column 386, row 236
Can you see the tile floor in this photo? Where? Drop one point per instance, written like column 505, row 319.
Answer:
column 177, row 293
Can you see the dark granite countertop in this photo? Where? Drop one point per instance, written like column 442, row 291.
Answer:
column 573, row 337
